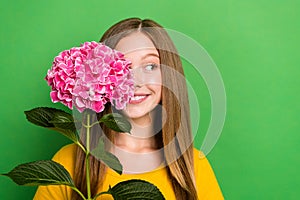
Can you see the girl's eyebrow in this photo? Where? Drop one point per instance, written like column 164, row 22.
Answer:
column 150, row 54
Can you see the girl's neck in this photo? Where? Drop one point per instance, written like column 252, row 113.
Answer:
column 141, row 138
column 138, row 151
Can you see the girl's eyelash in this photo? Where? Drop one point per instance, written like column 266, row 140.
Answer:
column 154, row 66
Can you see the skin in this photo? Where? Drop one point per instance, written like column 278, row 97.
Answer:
column 140, row 50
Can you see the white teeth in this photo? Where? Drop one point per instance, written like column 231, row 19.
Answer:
column 135, row 98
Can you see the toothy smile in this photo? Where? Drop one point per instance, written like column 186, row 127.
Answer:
column 137, row 99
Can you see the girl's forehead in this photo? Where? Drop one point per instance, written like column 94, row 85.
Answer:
column 135, row 42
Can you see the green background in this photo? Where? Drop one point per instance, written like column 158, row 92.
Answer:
column 255, row 45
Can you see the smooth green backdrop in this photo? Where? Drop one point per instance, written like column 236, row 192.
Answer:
column 255, row 45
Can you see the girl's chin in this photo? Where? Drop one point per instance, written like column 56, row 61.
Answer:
column 139, row 113
column 135, row 115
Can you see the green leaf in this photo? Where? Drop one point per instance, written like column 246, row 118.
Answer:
column 135, row 189
column 68, row 133
column 44, row 172
column 116, row 122
column 54, row 119
column 64, row 123
column 108, row 158
column 41, row 116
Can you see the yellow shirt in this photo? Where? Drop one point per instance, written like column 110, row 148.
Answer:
column 207, row 185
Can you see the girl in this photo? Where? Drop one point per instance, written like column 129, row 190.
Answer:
column 160, row 147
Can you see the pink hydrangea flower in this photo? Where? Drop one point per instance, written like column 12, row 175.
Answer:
column 89, row 76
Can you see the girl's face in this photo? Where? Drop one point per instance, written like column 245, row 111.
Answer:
column 145, row 66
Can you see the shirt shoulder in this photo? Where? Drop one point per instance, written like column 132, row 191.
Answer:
column 206, row 182
column 66, row 157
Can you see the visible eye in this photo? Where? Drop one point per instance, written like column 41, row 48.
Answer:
column 150, row 67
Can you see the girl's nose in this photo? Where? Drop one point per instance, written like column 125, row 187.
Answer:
column 142, row 76
column 138, row 77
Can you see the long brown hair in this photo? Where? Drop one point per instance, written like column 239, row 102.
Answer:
column 178, row 154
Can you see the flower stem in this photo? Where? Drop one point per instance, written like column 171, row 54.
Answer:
column 81, row 146
column 87, row 161
column 82, row 196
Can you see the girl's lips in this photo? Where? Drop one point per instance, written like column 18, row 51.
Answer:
column 138, row 98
